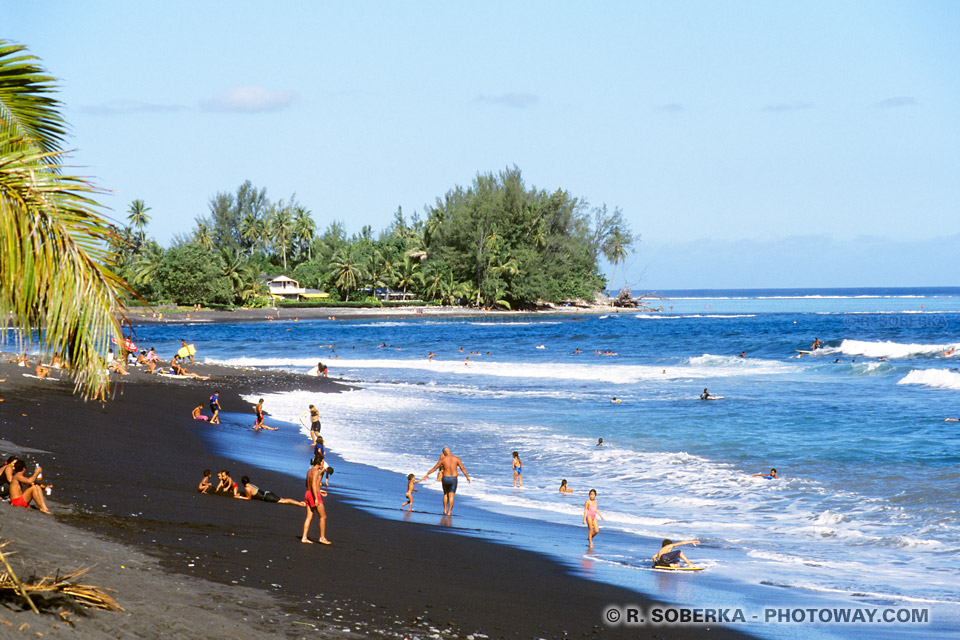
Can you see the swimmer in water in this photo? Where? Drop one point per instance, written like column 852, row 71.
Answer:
column 600, row 442
column 616, row 400
column 706, row 395
column 768, row 476
column 590, row 515
column 564, row 488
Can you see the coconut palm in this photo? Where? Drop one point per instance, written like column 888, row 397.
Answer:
column 304, row 228
column 233, row 269
column 251, row 230
column 281, row 229
column 147, row 262
column 55, row 256
column 203, row 236
column 407, row 273
column 615, row 250
column 346, row 271
column 138, row 218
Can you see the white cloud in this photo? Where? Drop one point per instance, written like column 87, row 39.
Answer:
column 897, row 101
column 250, row 99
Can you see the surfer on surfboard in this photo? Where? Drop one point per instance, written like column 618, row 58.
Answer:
column 706, row 396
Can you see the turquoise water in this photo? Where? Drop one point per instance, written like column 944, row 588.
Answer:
column 867, row 505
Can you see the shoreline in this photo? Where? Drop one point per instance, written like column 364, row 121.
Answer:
column 135, row 482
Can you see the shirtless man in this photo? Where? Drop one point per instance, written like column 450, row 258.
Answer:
column 450, row 466
column 314, row 501
column 22, row 497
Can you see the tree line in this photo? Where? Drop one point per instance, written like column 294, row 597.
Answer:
column 494, row 243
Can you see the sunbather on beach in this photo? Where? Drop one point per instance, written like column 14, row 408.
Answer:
column 313, row 499
column 6, row 476
column 205, row 483
column 251, row 491
column 22, row 360
column 42, row 371
column 411, row 480
column 670, row 556
column 23, row 489
column 114, row 364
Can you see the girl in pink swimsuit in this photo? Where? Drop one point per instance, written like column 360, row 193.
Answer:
column 590, row 515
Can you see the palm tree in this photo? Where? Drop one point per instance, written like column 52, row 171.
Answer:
column 147, row 262
column 233, row 269
column 407, row 273
column 203, row 236
column 138, row 219
column 346, row 272
column 250, row 230
column 304, row 228
column 379, row 270
column 615, row 250
column 55, row 256
column 281, row 228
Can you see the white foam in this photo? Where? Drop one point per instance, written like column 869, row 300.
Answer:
column 936, row 378
column 888, row 349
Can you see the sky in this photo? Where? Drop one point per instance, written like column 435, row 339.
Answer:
column 748, row 143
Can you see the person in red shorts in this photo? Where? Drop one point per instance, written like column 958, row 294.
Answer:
column 314, row 499
column 23, row 491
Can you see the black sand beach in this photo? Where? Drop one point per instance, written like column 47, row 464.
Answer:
column 207, row 566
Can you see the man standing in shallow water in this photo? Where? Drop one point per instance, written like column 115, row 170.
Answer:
column 450, row 466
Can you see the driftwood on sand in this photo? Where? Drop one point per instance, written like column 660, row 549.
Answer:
column 66, row 585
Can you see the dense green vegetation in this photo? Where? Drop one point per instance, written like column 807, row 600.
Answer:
column 494, row 243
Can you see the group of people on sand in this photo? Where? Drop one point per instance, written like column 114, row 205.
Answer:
column 42, row 370
column 21, row 489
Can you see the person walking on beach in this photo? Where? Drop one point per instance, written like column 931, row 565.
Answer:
column 314, row 423
column 517, row 469
column 411, row 480
column 314, row 502
column 590, row 515
column 450, row 467
column 215, row 407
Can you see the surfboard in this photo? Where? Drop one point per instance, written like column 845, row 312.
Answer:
column 188, row 350
column 804, row 352
column 678, row 568
column 30, row 375
column 716, row 398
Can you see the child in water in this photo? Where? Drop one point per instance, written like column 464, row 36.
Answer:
column 517, row 469
column 670, row 556
column 564, row 488
column 411, row 480
column 590, row 515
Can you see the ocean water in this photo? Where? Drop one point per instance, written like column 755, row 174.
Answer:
column 866, row 509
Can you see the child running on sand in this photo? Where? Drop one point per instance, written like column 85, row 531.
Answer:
column 411, row 480
column 517, row 469
column 205, row 484
column 590, row 515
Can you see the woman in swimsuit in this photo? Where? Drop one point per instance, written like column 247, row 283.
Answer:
column 517, row 469
column 590, row 515
column 564, row 488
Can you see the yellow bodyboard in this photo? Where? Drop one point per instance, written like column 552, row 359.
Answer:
column 188, row 350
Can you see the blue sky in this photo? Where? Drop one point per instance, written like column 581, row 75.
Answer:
column 751, row 144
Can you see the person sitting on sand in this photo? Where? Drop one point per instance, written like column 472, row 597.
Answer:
column 411, row 480
column 42, row 371
column 24, row 490
column 226, row 486
column 590, row 515
column 152, row 356
column 57, row 362
column 6, row 476
column 22, row 360
column 313, row 499
column 768, row 476
column 670, row 556
column 251, row 491
column 196, row 415
column 205, row 483
column 175, row 367
column 564, row 488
